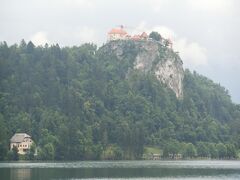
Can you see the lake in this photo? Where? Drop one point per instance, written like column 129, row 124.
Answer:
column 120, row 170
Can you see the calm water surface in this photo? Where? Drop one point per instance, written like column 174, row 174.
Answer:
column 119, row 170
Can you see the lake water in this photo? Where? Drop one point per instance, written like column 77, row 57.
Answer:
column 120, row 170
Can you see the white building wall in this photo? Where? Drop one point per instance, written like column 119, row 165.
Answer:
column 23, row 146
column 112, row 37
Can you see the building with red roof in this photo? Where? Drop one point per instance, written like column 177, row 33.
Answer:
column 117, row 33
column 144, row 36
column 121, row 34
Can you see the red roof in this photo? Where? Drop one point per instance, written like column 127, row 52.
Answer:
column 136, row 37
column 117, row 31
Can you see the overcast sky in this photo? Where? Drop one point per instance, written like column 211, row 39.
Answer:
column 205, row 32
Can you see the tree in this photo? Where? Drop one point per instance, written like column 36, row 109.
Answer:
column 23, row 123
column 3, row 151
column 3, row 138
column 23, row 44
column 166, row 42
column 113, row 152
column 30, row 47
column 213, row 150
column 13, row 154
column 189, row 150
column 155, row 36
column 231, row 151
column 31, row 153
column 202, row 149
column 47, row 152
column 171, row 148
column 222, row 150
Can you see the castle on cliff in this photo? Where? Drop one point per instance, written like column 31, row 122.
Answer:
column 121, row 34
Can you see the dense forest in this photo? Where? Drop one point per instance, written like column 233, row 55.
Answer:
column 77, row 103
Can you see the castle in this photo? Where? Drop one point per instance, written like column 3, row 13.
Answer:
column 120, row 34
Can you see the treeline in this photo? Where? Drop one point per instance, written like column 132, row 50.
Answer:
column 82, row 103
column 199, row 150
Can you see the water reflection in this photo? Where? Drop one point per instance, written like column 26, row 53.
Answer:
column 138, row 170
column 200, row 164
column 20, row 174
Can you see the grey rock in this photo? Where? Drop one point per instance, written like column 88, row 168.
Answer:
column 152, row 57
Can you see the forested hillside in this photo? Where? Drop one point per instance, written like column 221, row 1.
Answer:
column 80, row 103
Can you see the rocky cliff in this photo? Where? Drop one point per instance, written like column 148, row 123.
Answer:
column 151, row 57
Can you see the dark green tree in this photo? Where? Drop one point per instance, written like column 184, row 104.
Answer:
column 189, row 150
column 31, row 153
column 202, row 150
column 155, row 36
column 13, row 154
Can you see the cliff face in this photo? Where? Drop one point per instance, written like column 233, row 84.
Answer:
column 151, row 57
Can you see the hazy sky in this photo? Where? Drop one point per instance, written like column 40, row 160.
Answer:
column 205, row 32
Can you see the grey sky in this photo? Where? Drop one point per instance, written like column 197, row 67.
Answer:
column 205, row 32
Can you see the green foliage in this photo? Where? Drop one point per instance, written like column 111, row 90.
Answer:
column 222, row 150
column 13, row 154
column 172, row 147
column 3, row 152
column 84, row 103
column 189, row 150
column 47, row 152
column 155, row 35
column 202, row 150
column 231, row 151
column 213, row 150
column 113, row 152
column 31, row 153
column 3, row 138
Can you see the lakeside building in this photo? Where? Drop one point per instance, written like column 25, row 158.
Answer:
column 22, row 141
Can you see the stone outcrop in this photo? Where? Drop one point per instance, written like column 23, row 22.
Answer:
column 153, row 57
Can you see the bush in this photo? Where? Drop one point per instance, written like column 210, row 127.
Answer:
column 155, row 36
